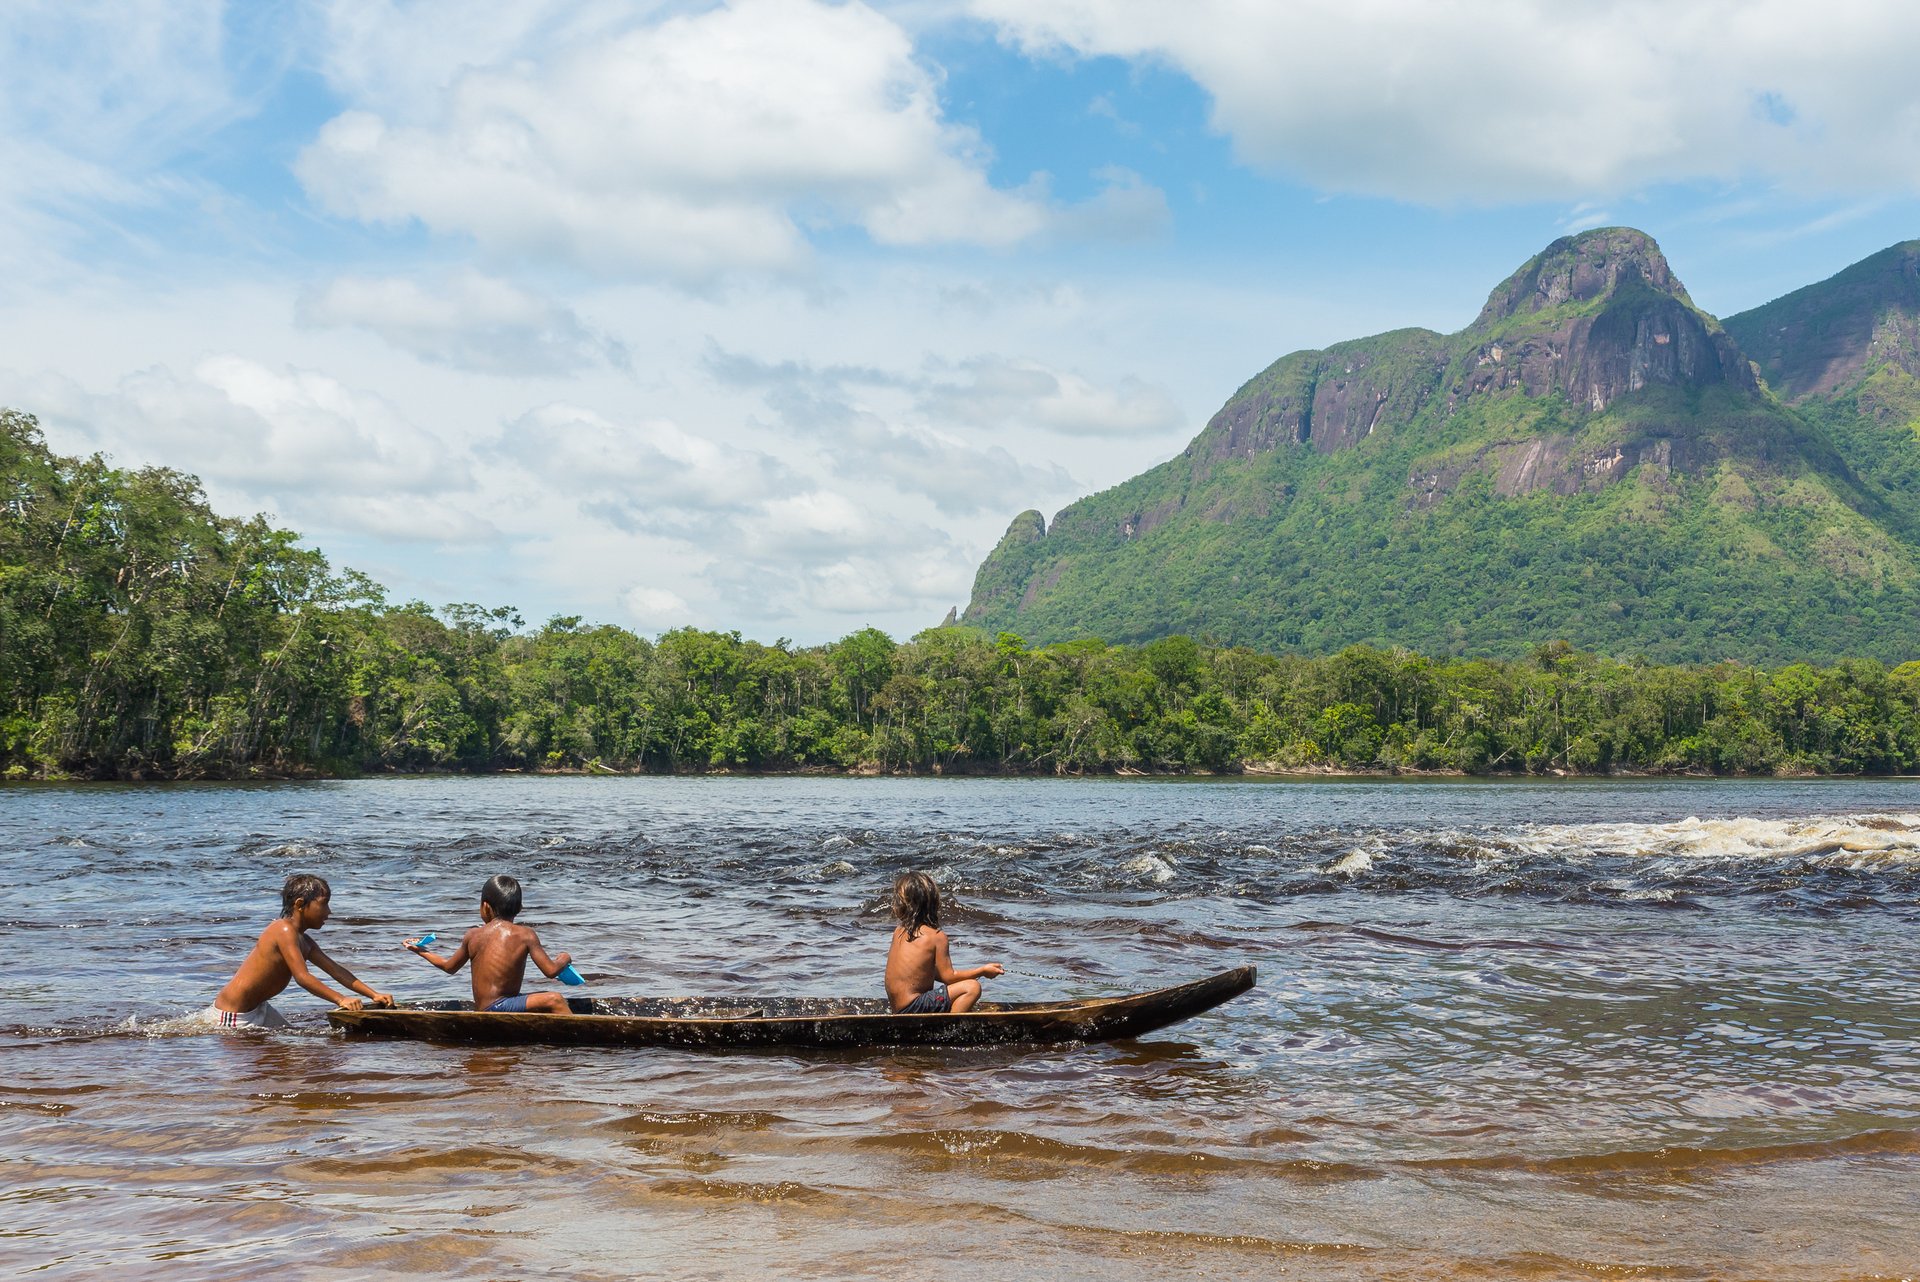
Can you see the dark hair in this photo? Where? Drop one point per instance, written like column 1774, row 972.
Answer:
column 916, row 902
column 502, row 894
column 302, row 885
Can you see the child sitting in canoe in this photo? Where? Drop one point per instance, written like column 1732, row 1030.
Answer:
column 281, row 956
column 921, row 979
column 499, row 948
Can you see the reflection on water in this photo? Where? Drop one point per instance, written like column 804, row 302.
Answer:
column 1647, row 1029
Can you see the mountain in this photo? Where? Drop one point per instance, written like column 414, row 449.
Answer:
column 1835, row 337
column 1594, row 459
column 1846, row 354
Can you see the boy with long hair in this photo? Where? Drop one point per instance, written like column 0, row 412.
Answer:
column 921, row 979
column 281, row 956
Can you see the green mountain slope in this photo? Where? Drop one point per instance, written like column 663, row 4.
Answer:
column 1846, row 354
column 1592, row 459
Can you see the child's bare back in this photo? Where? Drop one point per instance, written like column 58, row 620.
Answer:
column 921, row 978
column 499, row 949
column 913, row 967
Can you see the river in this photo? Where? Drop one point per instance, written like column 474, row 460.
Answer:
column 1502, row 1030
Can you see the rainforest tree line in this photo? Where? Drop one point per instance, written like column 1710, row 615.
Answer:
column 144, row 635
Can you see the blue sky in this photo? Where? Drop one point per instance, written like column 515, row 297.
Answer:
column 769, row 315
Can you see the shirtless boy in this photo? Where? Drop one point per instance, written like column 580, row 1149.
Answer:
column 281, row 956
column 498, row 949
column 921, row 979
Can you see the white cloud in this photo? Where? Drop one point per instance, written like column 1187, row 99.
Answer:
column 465, row 320
column 986, row 391
column 411, row 518
column 822, row 552
column 959, row 478
column 647, row 476
column 113, row 78
column 811, row 554
column 98, row 99
column 1450, row 101
column 742, row 525
column 296, row 427
column 998, row 392
column 804, row 526
column 1583, row 217
column 655, row 609
column 864, row 440
column 1127, row 207
column 401, row 55
column 294, row 442
column 704, row 142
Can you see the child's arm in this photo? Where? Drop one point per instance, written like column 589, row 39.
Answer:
column 549, row 966
column 345, row 976
column 286, row 941
column 451, row 964
column 943, row 964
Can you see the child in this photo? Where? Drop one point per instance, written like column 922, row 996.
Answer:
column 281, row 956
column 499, row 950
column 921, row 979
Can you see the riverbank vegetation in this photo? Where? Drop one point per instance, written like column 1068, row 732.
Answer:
column 143, row 635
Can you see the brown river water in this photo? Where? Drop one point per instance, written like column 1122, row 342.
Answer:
column 1502, row 1030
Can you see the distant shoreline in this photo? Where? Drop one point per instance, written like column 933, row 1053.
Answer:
column 1255, row 770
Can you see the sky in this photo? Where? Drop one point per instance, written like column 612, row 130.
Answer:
column 768, row 316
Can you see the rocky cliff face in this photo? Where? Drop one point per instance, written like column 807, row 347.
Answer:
column 1580, row 269
column 1329, row 400
column 1591, row 318
column 1640, row 337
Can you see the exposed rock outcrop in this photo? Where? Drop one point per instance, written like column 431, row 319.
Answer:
column 1597, row 317
column 1552, row 463
column 1330, row 400
column 1639, row 339
column 1579, row 269
column 1593, row 317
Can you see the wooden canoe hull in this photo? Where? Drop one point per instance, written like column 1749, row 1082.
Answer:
column 725, row 1024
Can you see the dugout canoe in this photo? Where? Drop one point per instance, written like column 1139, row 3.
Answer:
column 726, row 1023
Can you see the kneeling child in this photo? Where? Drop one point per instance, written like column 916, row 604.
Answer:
column 499, row 948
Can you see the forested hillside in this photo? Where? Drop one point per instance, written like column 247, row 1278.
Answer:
column 1845, row 354
column 1592, row 459
column 144, row 635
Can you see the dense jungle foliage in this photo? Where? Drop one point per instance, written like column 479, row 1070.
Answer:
column 143, row 635
column 1676, row 568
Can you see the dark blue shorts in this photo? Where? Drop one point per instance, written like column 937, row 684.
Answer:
column 931, row 1002
column 516, row 1005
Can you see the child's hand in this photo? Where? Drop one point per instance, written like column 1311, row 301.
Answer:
column 414, row 946
column 992, row 970
column 382, row 999
column 351, row 1003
